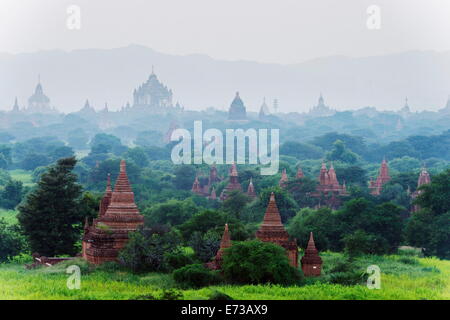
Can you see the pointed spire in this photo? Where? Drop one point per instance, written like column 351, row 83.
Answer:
column 300, row 173
column 233, row 170
column 311, row 261
column 108, row 184
column 284, row 178
column 16, row 105
column 251, row 189
column 272, row 216
column 213, row 195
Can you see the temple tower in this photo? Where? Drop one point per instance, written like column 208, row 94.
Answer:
column 251, row 193
column 272, row 230
column 109, row 232
column 311, row 261
column 284, row 179
column 300, row 173
column 237, row 110
column 424, row 178
column 233, row 184
column 383, row 178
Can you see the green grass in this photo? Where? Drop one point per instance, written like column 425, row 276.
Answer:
column 22, row 175
column 10, row 216
column 416, row 278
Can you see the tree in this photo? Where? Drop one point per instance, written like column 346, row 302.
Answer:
column 11, row 242
column 11, row 195
column 112, row 142
column 301, row 189
column 234, row 204
column 205, row 245
column 256, row 262
column 173, row 212
column 184, row 177
column 341, row 153
column 147, row 249
column 33, row 160
column 138, row 156
column 301, row 151
column 50, row 217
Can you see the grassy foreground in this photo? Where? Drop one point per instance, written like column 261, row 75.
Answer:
column 401, row 278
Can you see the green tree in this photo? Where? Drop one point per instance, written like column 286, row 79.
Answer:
column 341, row 153
column 11, row 241
column 50, row 216
column 235, row 203
column 173, row 212
column 11, row 195
column 184, row 177
column 256, row 262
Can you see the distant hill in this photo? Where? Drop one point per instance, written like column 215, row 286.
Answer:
column 199, row 81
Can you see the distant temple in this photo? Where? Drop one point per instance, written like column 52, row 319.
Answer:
column 264, row 111
column 300, row 173
column 321, row 110
column 225, row 243
column 424, row 178
column 284, row 179
column 205, row 186
column 118, row 215
column 272, row 230
column 311, row 261
column 329, row 188
column 237, row 111
column 153, row 94
column 233, row 184
column 383, row 178
column 39, row 102
column 251, row 193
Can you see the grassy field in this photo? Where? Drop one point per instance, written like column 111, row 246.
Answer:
column 23, row 176
column 402, row 278
column 10, row 216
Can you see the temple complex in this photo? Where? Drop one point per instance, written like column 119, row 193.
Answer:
column 284, row 179
column 383, row 178
column 118, row 215
column 237, row 111
column 424, row 178
column 251, row 193
column 272, row 230
column 225, row 243
column 321, row 110
column 153, row 94
column 202, row 186
column 329, row 189
column 39, row 102
column 311, row 261
column 233, row 184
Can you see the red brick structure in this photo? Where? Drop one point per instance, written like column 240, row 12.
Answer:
column 233, row 184
column 272, row 230
column 383, row 178
column 424, row 178
column 329, row 189
column 202, row 187
column 251, row 193
column 311, row 261
column 300, row 173
column 109, row 232
column 284, row 179
column 225, row 243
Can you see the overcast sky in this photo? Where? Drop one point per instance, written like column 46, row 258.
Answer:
column 280, row 31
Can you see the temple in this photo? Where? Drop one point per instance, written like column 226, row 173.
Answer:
column 311, row 261
column 300, row 173
column 39, row 102
column 152, row 94
column 272, row 230
column 263, row 111
column 329, row 189
column 383, row 178
column 424, row 178
column 203, row 186
column 251, row 193
column 237, row 111
column 284, row 179
column 321, row 110
column 225, row 243
column 118, row 215
column 233, row 184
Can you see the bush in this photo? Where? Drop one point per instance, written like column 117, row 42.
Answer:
column 196, row 276
column 360, row 242
column 259, row 262
column 178, row 260
column 217, row 295
column 349, row 278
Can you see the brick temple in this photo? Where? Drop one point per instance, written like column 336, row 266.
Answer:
column 233, row 183
column 329, row 189
column 424, row 178
column 225, row 243
column 272, row 230
column 311, row 261
column 383, row 178
column 118, row 215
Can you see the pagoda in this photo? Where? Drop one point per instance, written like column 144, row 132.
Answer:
column 251, row 193
column 300, row 174
column 225, row 243
column 311, row 261
column 203, row 185
column 237, row 111
column 284, row 179
column 272, row 230
column 424, row 178
column 383, row 178
column 233, row 184
column 264, row 111
column 118, row 216
column 329, row 187
column 153, row 95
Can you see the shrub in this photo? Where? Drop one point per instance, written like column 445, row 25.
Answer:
column 196, row 275
column 259, row 262
column 360, row 242
column 171, row 294
column 349, row 278
column 178, row 260
column 217, row 295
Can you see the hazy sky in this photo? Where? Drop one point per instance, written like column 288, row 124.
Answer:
column 281, row 31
